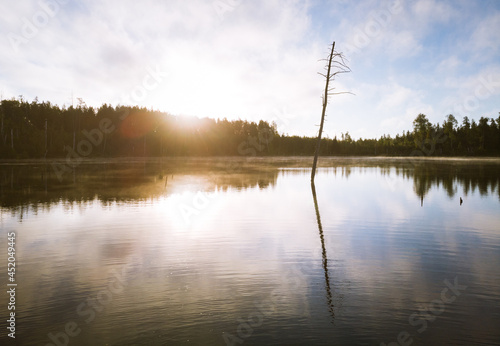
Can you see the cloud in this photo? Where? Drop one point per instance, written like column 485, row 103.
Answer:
column 486, row 36
column 255, row 59
column 397, row 96
column 449, row 65
column 473, row 95
column 403, row 44
column 433, row 11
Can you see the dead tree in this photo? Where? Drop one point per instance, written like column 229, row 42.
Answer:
column 335, row 65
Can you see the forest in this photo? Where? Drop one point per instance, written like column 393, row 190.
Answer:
column 42, row 130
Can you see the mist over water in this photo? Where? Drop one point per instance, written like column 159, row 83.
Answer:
column 242, row 251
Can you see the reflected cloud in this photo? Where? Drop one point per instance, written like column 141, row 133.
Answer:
column 249, row 251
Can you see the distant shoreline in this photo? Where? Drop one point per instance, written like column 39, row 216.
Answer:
column 283, row 158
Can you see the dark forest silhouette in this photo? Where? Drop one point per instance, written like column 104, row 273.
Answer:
column 43, row 130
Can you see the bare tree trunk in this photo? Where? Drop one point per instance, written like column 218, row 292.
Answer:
column 105, row 140
column 325, row 101
column 45, row 138
column 335, row 65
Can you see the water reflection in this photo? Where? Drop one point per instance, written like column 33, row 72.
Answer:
column 37, row 185
column 110, row 181
column 483, row 176
column 250, row 251
column 324, row 256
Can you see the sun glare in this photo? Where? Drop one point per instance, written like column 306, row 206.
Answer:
column 187, row 121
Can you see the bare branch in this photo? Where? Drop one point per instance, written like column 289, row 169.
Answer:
column 337, row 62
column 343, row 92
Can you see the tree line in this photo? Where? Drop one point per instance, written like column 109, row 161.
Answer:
column 44, row 130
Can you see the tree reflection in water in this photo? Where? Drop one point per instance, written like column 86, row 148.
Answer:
column 329, row 298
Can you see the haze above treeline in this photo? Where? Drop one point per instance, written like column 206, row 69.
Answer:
column 43, row 130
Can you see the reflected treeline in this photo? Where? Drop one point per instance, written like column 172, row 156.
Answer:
column 470, row 175
column 39, row 186
column 454, row 177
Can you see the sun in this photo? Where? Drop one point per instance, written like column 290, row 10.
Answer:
column 188, row 122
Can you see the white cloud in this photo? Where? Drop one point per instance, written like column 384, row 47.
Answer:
column 473, row 95
column 487, row 34
column 395, row 96
column 449, row 65
column 403, row 44
column 257, row 60
column 432, row 10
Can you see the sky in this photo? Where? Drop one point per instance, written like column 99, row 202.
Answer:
column 259, row 59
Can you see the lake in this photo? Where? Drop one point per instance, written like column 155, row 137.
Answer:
column 231, row 251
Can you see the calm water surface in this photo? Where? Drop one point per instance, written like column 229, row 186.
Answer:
column 239, row 251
